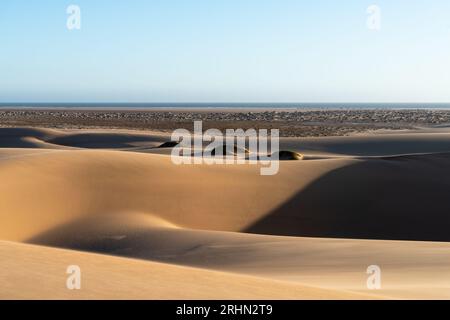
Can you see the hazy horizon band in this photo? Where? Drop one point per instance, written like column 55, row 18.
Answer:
column 223, row 105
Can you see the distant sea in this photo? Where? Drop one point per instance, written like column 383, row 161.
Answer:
column 128, row 106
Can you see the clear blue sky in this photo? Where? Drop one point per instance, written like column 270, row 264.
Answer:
column 224, row 51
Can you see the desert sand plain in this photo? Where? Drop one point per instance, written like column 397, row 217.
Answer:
column 140, row 226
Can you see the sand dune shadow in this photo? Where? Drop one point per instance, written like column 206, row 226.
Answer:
column 403, row 198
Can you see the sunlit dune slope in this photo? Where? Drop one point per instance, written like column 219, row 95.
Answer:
column 33, row 272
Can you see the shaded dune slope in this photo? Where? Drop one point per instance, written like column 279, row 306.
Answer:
column 372, row 145
column 49, row 138
column 26, row 138
column 402, row 197
column 106, row 140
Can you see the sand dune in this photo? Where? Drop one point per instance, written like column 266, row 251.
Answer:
column 27, row 138
column 67, row 139
column 362, row 196
column 103, row 182
column 31, row 272
column 431, row 141
column 382, row 144
column 134, row 202
column 341, row 263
